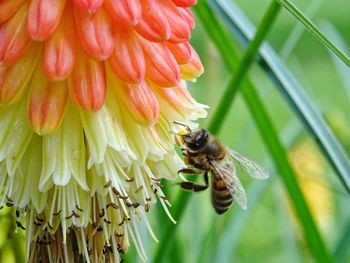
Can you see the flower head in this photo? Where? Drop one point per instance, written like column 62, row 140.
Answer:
column 88, row 91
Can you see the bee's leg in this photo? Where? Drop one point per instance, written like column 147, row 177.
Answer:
column 189, row 171
column 196, row 187
column 193, row 187
column 200, row 167
column 183, row 150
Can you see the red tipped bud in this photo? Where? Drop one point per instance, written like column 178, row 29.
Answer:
column 95, row 32
column 185, row 3
column 60, row 50
column 9, row 8
column 14, row 37
column 182, row 52
column 139, row 100
column 193, row 69
column 43, row 18
column 179, row 27
column 87, row 83
column 127, row 12
column 153, row 25
column 161, row 66
column 127, row 61
column 47, row 103
column 17, row 76
column 90, row 6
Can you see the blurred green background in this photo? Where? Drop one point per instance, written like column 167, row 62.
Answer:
column 268, row 230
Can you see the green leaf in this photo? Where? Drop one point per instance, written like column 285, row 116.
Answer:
column 243, row 67
column 309, row 25
column 178, row 208
column 230, row 227
column 242, row 29
column 341, row 250
column 298, row 30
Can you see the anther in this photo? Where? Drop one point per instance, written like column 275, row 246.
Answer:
column 75, row 214
column 156, row 179
column 130, row 180
column 20, row 225
column 108, row 184
column 124, row 197
column 102, row 213
column 69, row 217
column 147, row 208
column 112, row 205
column 139, row 189
column 57, row 213
column 80, row 209
column 39, row 219
column 107, row 221
column 115, row 191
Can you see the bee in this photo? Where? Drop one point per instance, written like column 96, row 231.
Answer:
column 205, row 154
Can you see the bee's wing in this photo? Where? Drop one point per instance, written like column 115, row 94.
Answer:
column 228, row 175
column 246, row 166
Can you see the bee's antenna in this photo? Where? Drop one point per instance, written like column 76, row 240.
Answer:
column 186, row 126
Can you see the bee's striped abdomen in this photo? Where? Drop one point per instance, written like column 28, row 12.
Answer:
column 221, row 197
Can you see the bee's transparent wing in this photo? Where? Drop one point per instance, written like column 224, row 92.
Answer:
column 246, row 166
column 228, row 174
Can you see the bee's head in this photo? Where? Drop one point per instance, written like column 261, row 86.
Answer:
column 195, row 140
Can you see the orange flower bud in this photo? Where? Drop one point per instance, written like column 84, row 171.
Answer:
column 139, row 100
column 182, row 52
column 47, row 103
column 91, row 6
column 17, row 76
column 185, row 3
column 161, row 66
column 153, row 25
column 60, row 49
column 192, row 69
column 95, row 32
column 8, row 9
column 179, row 27
column 14, row 37
column 127, row 60
column 87, row 83
column 127, row 12
column 43, row 18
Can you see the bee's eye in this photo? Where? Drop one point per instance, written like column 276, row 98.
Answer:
column 195, row 145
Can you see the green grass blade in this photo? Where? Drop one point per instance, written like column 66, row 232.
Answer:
column 244, row 65
column 276, row 150
column 229, row 228
column 242, row 29
column 313, row 29
column 341, row 251
column 342, row 70
column 179, row 208
column 298, row 30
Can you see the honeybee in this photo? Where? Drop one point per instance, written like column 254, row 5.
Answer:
column 205, row 154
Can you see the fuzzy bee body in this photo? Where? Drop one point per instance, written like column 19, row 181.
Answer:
column 221, row 196
column 204, row 154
